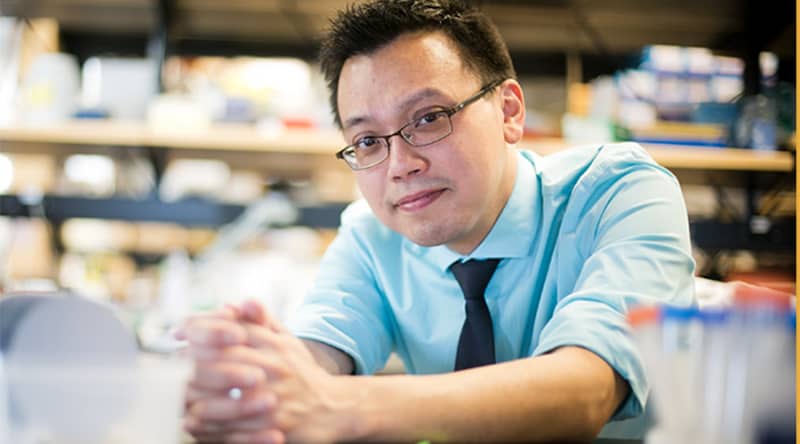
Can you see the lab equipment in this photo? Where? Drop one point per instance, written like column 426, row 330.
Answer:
column 71, row 372
column 720, row 374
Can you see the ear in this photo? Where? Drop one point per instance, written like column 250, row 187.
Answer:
column 513, row 110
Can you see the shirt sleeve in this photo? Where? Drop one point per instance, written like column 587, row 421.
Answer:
column 631, row 230
column 345, row 308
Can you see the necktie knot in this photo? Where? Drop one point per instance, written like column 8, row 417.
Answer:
column 473, row 276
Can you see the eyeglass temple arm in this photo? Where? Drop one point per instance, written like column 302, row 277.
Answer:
column 474, row 98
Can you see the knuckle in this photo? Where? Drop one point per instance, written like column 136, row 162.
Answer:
column 279, row 372
column 198, row 409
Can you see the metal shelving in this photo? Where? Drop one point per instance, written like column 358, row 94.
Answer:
column 190, row 213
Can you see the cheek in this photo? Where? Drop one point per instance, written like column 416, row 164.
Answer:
column 372, row 188
column 467, row 165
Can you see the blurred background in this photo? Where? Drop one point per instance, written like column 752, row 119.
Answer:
column 178, row 154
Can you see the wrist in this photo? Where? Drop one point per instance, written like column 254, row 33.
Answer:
column 351, row 421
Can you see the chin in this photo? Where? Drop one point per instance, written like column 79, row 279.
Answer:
column 426, row 235
column 425, row 242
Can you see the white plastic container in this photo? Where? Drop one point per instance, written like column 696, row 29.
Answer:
column 136, row 405
column 49, row 91
column 121, row 86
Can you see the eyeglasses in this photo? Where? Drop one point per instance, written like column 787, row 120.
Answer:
column 432, row 127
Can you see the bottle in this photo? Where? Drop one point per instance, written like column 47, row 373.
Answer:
column 756, row 127
column 716, row 344
column 760, row 377
column 677, row 405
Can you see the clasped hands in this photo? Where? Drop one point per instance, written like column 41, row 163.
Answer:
column 255, row 382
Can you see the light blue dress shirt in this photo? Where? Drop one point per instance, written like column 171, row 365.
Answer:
column 586, row 234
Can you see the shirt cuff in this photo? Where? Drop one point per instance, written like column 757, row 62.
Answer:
column 604, row 332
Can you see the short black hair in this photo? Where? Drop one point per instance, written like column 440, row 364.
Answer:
column 367, row 27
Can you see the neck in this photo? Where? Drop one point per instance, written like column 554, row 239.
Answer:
column 468, row 244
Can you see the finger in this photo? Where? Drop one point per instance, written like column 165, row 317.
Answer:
column 262, row 337
column 270, row 363
column 209, row 432
column 194, row 393
column 226, row 409
column 271, row 436
column 258, row 337
column 250, row 425
column 211, row 332
column 205, row 354
column 220, row 428
column 229, row 313
column 217, row 428
column 201, row 435
column 207, row 439
column 267, row 356
column 225, row 375
column 241, row 354
column 254, row 312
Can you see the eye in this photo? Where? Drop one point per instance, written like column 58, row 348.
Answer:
column 366, row 143
column 430, row 118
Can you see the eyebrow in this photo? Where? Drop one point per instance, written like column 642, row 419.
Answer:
column 418, row 96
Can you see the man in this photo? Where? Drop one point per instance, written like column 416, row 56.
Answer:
column 425, row 95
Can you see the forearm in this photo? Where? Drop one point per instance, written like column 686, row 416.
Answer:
column 564, row 396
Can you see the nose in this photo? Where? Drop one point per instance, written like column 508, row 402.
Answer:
column 404, row 160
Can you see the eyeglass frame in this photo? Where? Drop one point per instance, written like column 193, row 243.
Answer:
column 449, row 112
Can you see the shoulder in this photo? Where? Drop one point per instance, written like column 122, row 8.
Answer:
column 357, row 213
column 590, row 165
column 359, row 224
column 617, row 159
column 361, row 242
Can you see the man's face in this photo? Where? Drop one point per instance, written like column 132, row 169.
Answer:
column 450, row 192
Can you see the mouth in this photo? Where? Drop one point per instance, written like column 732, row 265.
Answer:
column 418, row 201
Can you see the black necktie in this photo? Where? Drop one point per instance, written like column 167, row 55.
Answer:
column 476, row 343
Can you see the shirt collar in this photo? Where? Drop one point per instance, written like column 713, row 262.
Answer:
column 512, row 234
